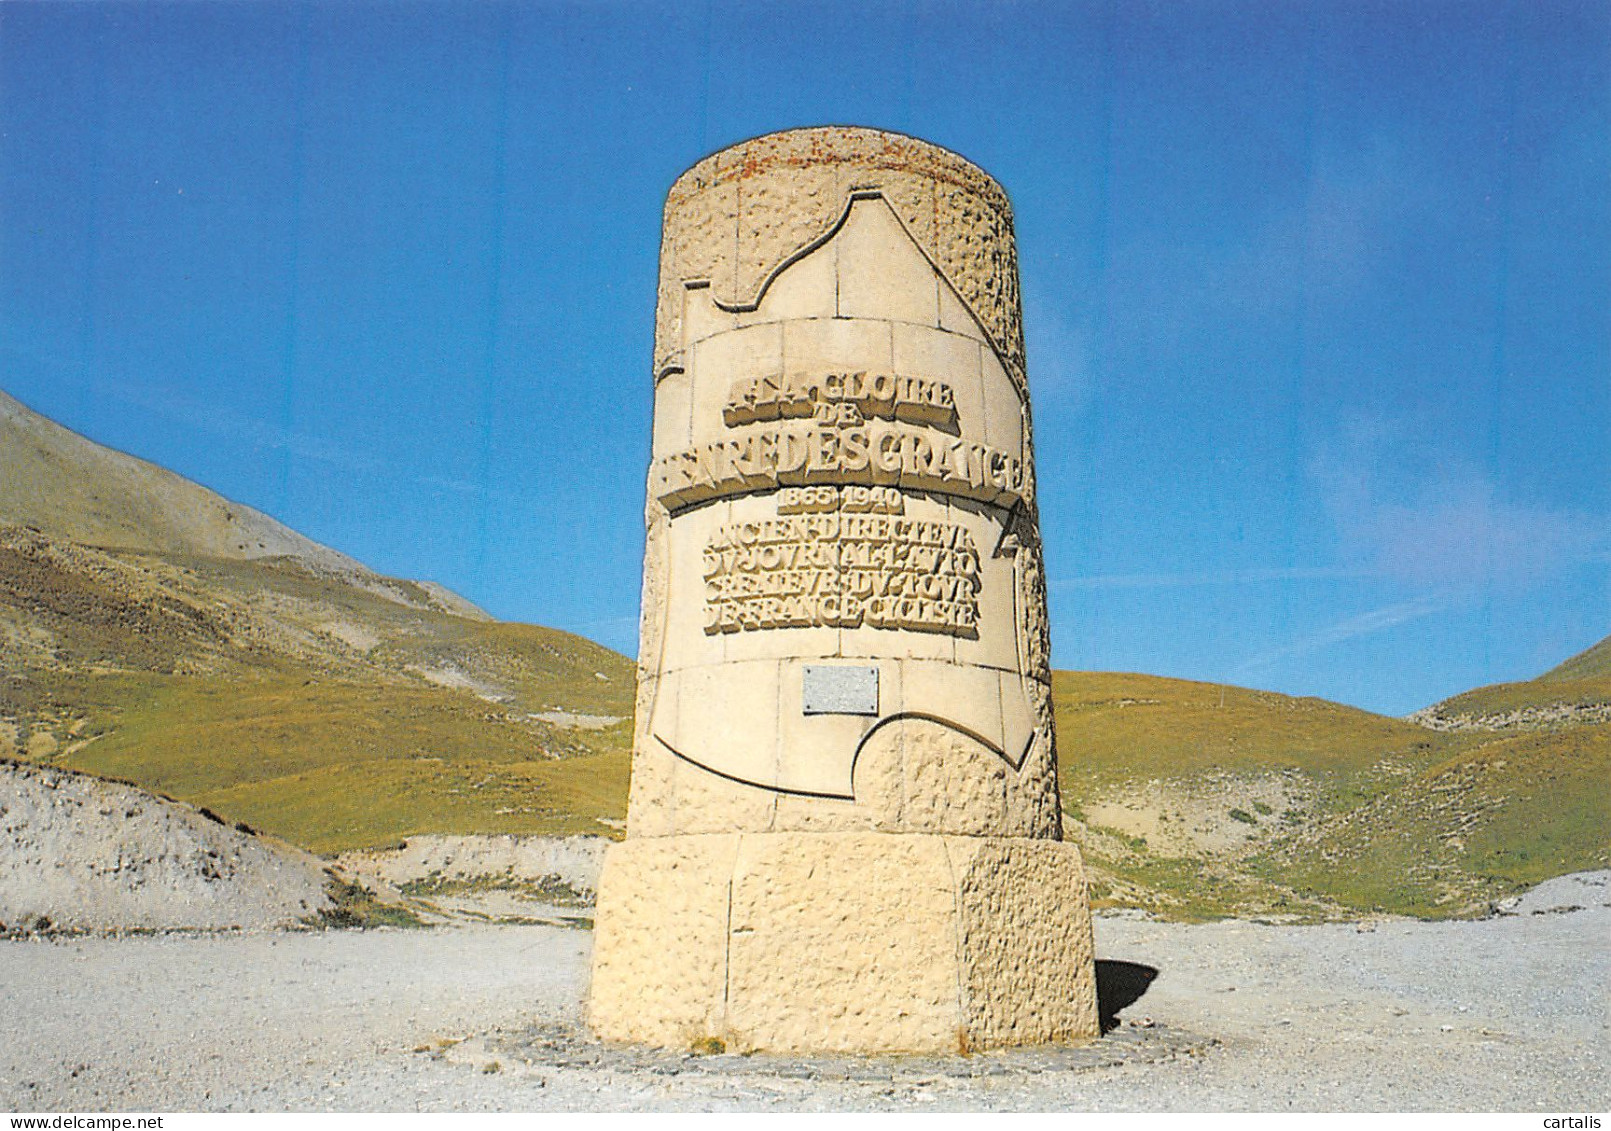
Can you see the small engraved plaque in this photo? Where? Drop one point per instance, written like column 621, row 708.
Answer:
column 839, row 690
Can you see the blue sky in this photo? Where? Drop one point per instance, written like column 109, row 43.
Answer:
column 1318, row 295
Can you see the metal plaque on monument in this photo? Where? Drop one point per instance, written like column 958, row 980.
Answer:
column 844, row 831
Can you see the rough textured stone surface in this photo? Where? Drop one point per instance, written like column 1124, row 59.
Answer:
column 912, row 776
column 843, row 942
column 739, row 215
column 1022, row 927
column 864, row 299
column 844, row 653
column 660, row 952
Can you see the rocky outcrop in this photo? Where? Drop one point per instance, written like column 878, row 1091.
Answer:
column 1522, row 718
column 83, row 853
column 571, row 861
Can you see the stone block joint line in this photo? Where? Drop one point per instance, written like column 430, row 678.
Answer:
column 843, row 831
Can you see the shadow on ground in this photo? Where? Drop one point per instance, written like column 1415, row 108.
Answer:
column 1118, row 985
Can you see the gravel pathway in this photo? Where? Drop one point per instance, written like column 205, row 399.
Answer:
column 1509, row 1013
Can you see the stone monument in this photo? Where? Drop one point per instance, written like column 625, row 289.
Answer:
column 844, row 831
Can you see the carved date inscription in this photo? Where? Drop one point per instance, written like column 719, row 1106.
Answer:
column 842, row 570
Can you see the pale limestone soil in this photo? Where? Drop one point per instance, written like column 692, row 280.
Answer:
column 81, row 853
column 1324, row 1017
column 572, row 860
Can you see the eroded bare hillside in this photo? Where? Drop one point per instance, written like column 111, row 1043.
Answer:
column 80, row 853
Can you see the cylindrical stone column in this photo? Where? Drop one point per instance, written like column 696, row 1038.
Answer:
column 844, row 829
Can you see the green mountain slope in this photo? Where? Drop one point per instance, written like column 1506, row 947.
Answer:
column 1114, row 725
column 1577, row 691
column 1199, row 800
column 1591, row 663
column 1498, row 816
column 328, row 714
column 152, row 631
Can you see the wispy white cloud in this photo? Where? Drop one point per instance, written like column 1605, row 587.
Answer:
column 1350, row 628
column 1208, row 578
column 300, row 447
column 1318, row 242
column 1410, row 512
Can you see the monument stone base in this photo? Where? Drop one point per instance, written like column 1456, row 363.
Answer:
column 843, row 942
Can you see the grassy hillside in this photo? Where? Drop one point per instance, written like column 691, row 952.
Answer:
column 334, row 711
column 1115, row 725
column 154, row 631
column 1197, row 800
column 1471, row 829
column 1592, row 662
column 1577, row 691
column 338, row 764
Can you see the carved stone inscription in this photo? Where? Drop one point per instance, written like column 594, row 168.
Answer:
column 813, row 500
column 823, row 396
column 874, row 453
column 841, row 427
column 842, row 570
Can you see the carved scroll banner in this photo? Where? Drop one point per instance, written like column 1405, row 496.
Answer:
column 844, row 637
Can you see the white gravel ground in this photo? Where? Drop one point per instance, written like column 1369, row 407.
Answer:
column 1510, row 1013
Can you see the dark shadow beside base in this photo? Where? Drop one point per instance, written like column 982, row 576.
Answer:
column 1119, row 984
